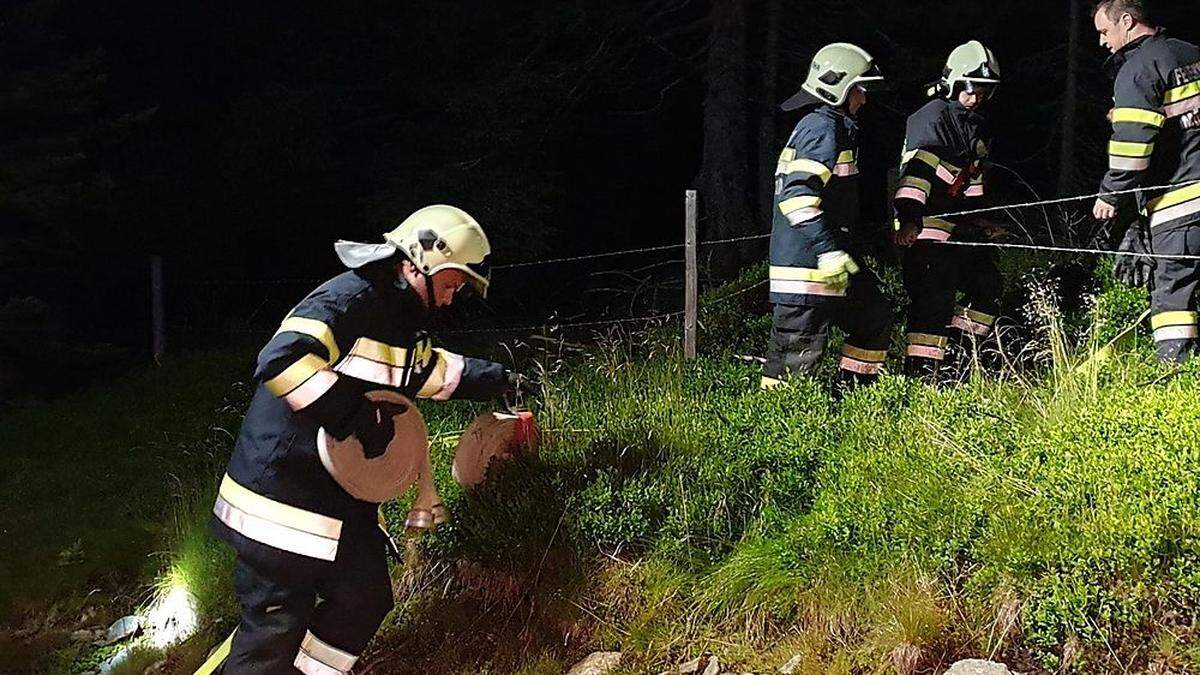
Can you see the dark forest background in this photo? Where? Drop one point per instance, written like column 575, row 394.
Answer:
column 239, row 139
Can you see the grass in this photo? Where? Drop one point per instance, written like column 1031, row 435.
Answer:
column 1045, row 518
column 88, row 487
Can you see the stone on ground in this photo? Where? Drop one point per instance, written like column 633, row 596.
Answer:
column 596, row 663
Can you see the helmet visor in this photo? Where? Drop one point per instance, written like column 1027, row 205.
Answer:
column 984, row 90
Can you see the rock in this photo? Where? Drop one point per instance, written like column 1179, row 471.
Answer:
column 979, row 667
column 692, row 666
column 113, row 661
column 792, row 665
column 714, row 667
column 123, row 629
column 596, row 663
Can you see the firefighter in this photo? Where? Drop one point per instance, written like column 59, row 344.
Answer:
column 815, row 280
column 298, row 534
column 1155, row 142
column 941, row 171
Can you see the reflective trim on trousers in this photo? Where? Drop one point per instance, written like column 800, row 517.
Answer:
column 276, row 524
column 794, row 287
column 317, row 657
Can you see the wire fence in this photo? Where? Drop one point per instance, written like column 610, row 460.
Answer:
column 551, row 325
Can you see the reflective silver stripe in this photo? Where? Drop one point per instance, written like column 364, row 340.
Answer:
column 310, row 666
column 803, row 215
column 373, row 371
column 795, row 287
column 1163, row 216
column 974, row 191
column 274, row 534
column 912, row 193
column 945, row 174
column 1176, row 333
column 860, row 367
column 843, row 170
column 322, row 657
column 1118, row 163
column 968, row 326
column 313, row 388
column 933, row 234
column 927, row 352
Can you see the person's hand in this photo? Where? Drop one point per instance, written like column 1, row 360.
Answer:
column 1103, row 211
column 373, row 425
column 834, row 269
column 906, row 235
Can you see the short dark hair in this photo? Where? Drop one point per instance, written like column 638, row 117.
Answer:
column 1138, row 9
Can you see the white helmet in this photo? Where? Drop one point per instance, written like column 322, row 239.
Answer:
column 969, row 64
column 835, row 69
column 444, row 237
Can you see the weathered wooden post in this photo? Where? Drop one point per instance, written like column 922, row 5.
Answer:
column 691, row 285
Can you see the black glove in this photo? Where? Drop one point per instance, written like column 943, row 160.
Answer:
column 1134, row 271
column 373, row 427
column 519, row 386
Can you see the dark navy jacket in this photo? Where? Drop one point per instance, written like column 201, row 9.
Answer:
column 360, row 331
column 816, row 204
column 941, row 168
column 1156, row 129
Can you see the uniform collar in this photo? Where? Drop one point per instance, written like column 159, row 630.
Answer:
column 1114, row 62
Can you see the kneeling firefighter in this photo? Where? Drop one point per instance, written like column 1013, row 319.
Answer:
column 941, row 171
column 815, row 281
column 339, row 368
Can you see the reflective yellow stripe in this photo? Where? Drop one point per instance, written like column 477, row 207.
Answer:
column 795, row 274
column 1128, row 149
column 927, row 340
column 296, row 374
column 1174, row 198
column 924, row 156
column 767, row 383
column 312, row 328
column 1138, row 116
column 278, row 512
column 914, row 182
column 1179, row 93
column 866, row 355
column 787, row 155
column 846, row 157
column 938, row 224
column 379, row 351
column 978, row 317
column 1174, row 319
column 433, row 384
column 807, row 166
column 217, row 659
column 796, row 203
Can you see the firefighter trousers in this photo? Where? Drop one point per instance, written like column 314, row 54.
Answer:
column 1173, row 293
column 320, row 625
column 799, row 334
column 933, row 276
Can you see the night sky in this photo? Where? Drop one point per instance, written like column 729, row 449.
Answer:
column 238, row 140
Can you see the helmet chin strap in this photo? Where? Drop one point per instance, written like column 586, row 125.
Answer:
column 431, row 307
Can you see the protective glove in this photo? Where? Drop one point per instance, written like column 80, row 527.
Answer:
column 519, row 386
column 1134, row 271
column 372, row 425
column 834, row 269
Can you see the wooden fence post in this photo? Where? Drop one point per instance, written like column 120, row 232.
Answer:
column 157, row 313
column 691, row 285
